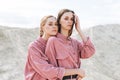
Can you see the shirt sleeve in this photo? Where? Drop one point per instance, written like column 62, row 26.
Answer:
column 42, row 66
column 51, row 54
column 86, row 49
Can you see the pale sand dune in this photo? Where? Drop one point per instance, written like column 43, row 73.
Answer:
column 13, row 51
column 104, row 65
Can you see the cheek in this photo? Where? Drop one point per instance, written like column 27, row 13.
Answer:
column 49, row 30
column 63, row 23
column 46, row 29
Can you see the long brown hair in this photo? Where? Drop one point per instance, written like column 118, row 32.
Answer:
column 43, row 22
column 59, row 17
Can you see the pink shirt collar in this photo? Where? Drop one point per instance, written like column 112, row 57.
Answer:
column 59, row 35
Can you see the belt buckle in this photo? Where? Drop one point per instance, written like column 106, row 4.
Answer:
column 69, row 77
column 73, row 76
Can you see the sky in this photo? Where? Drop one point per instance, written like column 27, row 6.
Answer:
column 28, row 13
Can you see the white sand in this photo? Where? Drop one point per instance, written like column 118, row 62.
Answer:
column 104, row 65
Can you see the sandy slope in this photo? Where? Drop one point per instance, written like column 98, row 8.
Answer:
column 13, row 51
column 104, row 65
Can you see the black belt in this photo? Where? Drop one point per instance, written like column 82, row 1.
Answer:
column 70, row 77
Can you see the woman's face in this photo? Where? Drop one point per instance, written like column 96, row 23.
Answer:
column 66, row 21
column 50, row 28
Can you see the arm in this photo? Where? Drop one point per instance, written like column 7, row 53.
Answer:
column 78, row 28
column 47, row 70
column 51, row 52
column 42, row 67
column 80, row 72
column 86, row 49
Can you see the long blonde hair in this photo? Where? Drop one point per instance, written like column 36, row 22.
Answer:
column 43, row 22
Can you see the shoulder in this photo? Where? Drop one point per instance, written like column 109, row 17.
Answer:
column 34, row 47
column 32, row 44
column 74, row 40
column 52, row 39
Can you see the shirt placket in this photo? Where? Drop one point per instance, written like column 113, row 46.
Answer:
column 72, row 52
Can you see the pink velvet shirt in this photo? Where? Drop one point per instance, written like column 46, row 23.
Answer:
column 66, row 52
column 37, row 67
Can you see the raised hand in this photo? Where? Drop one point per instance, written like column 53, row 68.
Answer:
column 78, row 28
column 77, row 23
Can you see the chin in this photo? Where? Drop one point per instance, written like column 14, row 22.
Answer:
column 68, row 29
column 53, row 34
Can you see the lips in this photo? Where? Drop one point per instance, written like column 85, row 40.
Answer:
column 54, row 30
column 69, row 25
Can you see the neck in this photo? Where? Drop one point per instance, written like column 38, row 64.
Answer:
column 45, row 36
column 64, row 32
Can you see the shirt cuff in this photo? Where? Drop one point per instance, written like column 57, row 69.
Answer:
column 61, row 73
column 87, row 42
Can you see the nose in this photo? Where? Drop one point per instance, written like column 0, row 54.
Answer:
column 70, row 21
column 54, row 26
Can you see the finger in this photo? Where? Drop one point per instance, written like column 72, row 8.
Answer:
column 75, row 18
column 79, row 78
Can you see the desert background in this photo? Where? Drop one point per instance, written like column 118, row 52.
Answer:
column 99, row 19
column 104, row 65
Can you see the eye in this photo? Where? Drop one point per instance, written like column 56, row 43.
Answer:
column 66, row 18
column 50, row 24
column 56, row 24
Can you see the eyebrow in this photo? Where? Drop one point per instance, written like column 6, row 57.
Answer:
column 67, row 16
column 51, row 22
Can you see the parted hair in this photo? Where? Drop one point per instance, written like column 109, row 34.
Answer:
column 61, row 12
